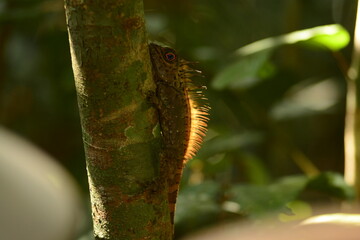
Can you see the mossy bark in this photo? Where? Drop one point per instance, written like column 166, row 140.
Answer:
column 113, row 79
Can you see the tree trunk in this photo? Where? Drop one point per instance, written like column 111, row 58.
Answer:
column 113, row 79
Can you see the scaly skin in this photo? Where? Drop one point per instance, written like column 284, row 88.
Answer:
column 183, row 119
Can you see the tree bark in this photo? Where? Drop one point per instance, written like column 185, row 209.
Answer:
column 113, row 79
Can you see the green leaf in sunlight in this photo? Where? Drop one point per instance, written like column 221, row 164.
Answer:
column 242, row 74
column 332, row 37
column 300, row 210
column 252, row 65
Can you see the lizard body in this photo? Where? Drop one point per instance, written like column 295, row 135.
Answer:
column 183, row 116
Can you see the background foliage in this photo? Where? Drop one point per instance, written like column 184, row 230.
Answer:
column 277, row 120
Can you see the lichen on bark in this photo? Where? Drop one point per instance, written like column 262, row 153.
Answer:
column 112, row 72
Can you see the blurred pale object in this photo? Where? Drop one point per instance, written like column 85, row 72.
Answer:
column 323, row 227
column 307, row 99
column 39, row 200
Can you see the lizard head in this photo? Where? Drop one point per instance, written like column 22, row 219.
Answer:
column 165, row 63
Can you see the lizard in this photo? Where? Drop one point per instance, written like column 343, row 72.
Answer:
column 183, row 114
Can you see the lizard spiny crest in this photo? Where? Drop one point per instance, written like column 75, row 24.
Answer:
column 176, row 72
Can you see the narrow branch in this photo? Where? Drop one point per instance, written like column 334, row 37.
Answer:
column 352, row 121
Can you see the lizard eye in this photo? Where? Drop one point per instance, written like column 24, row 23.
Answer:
column 170, row 56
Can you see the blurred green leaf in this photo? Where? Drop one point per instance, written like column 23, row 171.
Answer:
column 256, row 170
column 216, row 164
column 197, row 206
column 332, row 37
column 242, row 74
column 307, row 98
column 300, row 210
column 227, row 143
column 332, row 184
column 88, row 236
column 253, row 66
column 257, row 200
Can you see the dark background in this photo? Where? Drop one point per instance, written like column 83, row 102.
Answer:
column 286, row 114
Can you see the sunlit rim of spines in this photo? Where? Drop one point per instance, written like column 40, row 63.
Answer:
column 199, row 109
